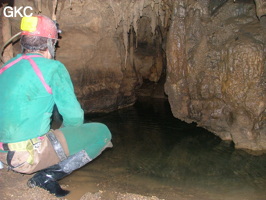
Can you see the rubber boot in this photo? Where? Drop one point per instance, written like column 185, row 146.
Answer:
column 47, row 179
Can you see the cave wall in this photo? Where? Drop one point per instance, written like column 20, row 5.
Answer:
column 109, row 47
column 216, row 70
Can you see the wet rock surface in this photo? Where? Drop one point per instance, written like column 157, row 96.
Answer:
column 216, row 71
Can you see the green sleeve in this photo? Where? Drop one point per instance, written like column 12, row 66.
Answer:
column 65, row 98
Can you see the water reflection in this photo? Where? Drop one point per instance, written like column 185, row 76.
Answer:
column 156, row 154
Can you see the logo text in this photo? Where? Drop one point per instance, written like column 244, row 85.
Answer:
column 18, row 11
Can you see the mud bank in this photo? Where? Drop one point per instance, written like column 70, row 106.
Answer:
column 14, row 187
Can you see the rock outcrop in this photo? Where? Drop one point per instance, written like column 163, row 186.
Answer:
column 260, row 8
column 216, row 71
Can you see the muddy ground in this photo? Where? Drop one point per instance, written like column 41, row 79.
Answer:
column 13, row 186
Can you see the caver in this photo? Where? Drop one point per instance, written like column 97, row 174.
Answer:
column 32, row 83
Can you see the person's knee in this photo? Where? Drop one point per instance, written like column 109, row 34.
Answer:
column 92, row 137
column 106, row 133
column 103, row 131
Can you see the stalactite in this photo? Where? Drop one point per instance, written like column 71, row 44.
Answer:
column 131, row 46
column 125, row 37
column 60, row 7
column 162, row 15
column 70, row 3
column 153, row 22
column 136, row 17
column 152, row 4
column 127, row 13
column 55, row 2
column 141, row 6
column 156, row 8
column 167, row 16
column 38, row 4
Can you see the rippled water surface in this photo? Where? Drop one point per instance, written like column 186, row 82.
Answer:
column 155, row 154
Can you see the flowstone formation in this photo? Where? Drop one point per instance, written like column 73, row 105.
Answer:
column 216, row 70
column 115, row 45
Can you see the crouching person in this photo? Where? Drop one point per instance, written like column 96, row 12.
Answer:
column 32, row 83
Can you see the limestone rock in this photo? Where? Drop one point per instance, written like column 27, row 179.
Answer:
column 216, row 71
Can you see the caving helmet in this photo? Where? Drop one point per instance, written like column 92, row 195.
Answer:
column 41, row 26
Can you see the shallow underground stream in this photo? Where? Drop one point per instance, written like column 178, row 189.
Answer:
column 155, row 154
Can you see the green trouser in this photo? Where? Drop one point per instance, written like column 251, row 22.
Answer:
column 91, row 137
column 85, row 143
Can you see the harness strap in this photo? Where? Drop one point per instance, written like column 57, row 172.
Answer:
column 34, row 66
column 9, row 65
column 19, row 146
column 57, row 146
column 9, row 158
column 27, row 145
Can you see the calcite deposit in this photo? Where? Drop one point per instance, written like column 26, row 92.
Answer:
column 216, row 71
